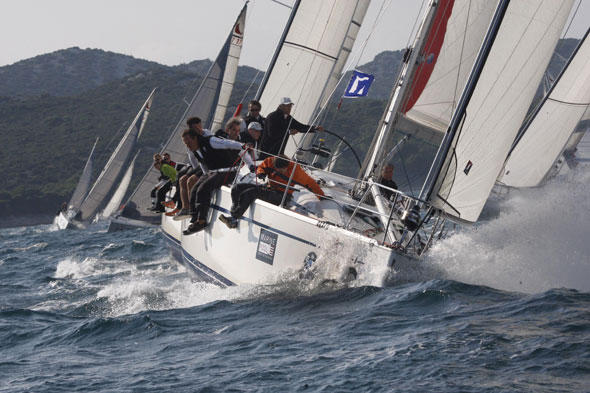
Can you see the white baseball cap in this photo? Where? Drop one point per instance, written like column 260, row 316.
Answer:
column 286, row 101
column 255, row 126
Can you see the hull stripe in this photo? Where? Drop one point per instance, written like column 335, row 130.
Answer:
column 224, row 210
column 203, row 271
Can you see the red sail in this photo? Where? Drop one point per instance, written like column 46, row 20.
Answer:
column 429, row 55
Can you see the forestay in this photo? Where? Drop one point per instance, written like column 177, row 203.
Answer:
column 498, row 103
column 83, row 183
column 311, row 55
column 213, row 86
column 545, row 137
column 118, row 160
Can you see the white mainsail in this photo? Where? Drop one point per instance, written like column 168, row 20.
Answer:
column 83, row 183
column 484, row 129
column 213, row 86
column 104, row 184
column 311, row 55
column 545, row 137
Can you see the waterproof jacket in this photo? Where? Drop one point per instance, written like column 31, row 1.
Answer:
column 299, row 177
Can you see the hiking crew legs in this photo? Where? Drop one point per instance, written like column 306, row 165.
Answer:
column 242, row 196
column 161, row 195
column 203, row 190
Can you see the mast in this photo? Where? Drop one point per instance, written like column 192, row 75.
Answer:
column 388, row 119
column 277, row 51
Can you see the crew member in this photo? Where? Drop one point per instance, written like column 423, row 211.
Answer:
column 216, row 158
column 281, row 174
column 278, row 126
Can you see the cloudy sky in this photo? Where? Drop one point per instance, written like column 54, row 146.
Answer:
column 179, row 31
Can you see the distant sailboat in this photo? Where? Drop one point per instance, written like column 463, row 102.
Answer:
column 105, row 184
column 62, row 220
column 213, row 93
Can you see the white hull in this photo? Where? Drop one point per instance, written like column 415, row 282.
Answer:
column 270, row 242
column 65, row 221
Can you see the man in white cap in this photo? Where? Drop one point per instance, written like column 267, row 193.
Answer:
column 251, row 137
column 278, row 126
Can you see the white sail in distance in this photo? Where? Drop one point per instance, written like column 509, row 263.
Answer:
column 546, row 136
column 485, row 129
column 118, row 160
column 311, row 56
column 201, row 105
column 117, row 197
column 83, row 183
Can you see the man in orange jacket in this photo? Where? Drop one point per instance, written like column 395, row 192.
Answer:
column 278, row 170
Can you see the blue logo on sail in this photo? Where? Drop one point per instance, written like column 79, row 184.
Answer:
column 359, row 84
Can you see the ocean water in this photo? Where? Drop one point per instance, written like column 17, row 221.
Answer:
column 503, row 306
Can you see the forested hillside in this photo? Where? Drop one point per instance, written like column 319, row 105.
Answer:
column 52, row 107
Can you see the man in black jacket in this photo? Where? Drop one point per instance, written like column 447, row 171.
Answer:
column 216, row 157
column 253, row 114
column 277, row 128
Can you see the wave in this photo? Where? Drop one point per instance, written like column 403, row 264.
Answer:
column 533, row 240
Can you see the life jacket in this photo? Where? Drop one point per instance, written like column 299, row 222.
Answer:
column 213, row 158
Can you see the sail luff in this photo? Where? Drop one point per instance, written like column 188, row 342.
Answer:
column 83, row 185
column 277, row 50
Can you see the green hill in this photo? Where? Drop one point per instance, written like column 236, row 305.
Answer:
column 52, row 107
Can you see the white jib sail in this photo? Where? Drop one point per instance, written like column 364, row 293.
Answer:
column 83, row 183
column 117, row 197
column 104, row 184
column 547, row 135
column 201, row 106
column 312, row 56
column 519, row 56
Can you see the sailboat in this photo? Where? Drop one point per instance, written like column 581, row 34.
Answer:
column 543, row 140
column 213, row 93
column 110, row 176
column 467, row 82
column 63, row 218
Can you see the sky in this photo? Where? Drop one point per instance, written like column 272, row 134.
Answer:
column 180, row 31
